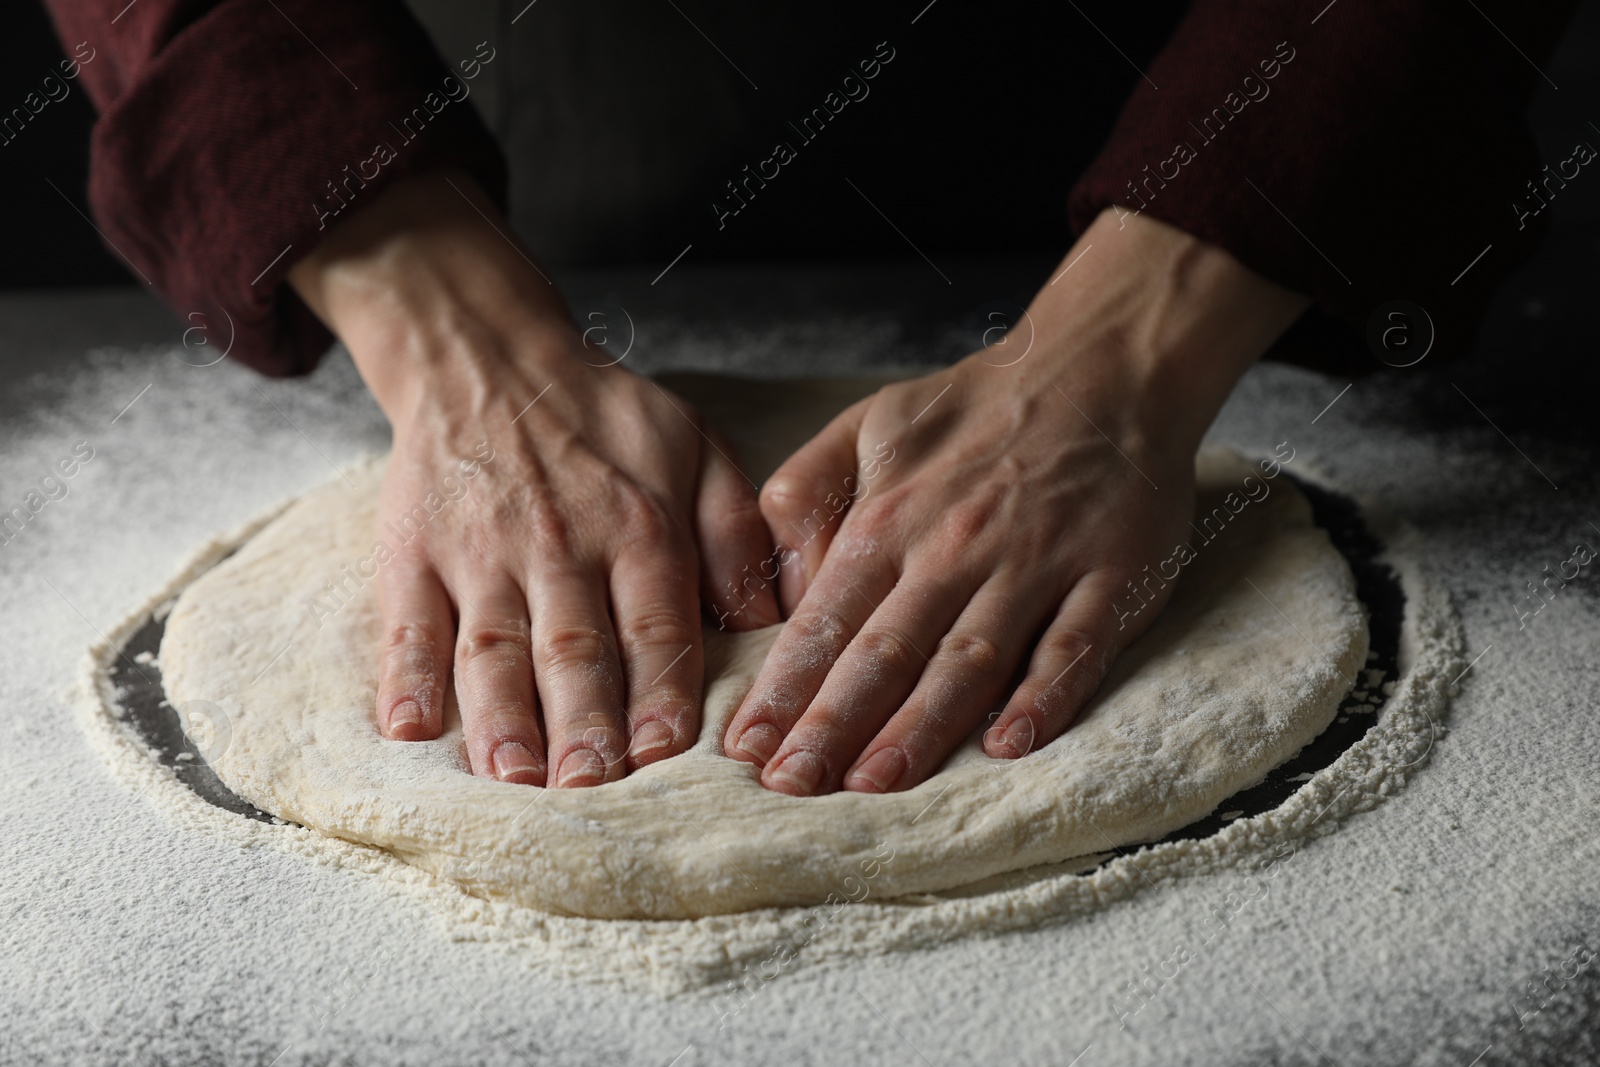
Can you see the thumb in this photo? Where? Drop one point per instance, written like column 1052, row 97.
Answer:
column 805, row 500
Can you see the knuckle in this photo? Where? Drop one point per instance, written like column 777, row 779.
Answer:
column 570, row 646
column 823, row 631
column 657, row 626
column 504, row 720
column 970, row 653
column 646, row 517
column 412, row 635
column 549, row 529
column 784, row 495
column 879, row 518
column 1071, row 648
column 865, row 546
column 490, row 638
column 888, row 648
column 969, row 520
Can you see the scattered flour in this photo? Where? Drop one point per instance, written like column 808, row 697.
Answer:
column 680, row 955
column 141, row 926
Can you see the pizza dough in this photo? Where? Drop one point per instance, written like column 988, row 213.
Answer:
column 1247, row 664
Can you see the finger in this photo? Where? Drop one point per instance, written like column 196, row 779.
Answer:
column 658, row 623
column 738, row 565
column 967, row 677
column 494, row 686
column 873, row 677
column 824, row 624
column 579, row 679
column 418, row 627
column 1072, row 657
column 805, row 499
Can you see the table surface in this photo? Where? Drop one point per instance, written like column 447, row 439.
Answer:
column 1403, row 937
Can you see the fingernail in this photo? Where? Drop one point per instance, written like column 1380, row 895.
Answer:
column 1018, row 737
column 513, row 762
column 801, row 772
column 649, row 738
column 760, row 741
column 880, row 772
column 405, row 713
column 583, row 766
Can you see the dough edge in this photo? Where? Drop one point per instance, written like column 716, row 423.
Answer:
column 678, row 957
column 696, row 836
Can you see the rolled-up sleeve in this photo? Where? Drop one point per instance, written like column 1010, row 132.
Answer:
column 1357, row 152
column 233, row 133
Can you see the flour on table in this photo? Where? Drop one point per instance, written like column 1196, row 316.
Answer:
column 1248, row 663
column 1222, row 688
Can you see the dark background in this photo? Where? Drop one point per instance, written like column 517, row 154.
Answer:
column 47, row 242
column 50, row 243
column 1544, row 319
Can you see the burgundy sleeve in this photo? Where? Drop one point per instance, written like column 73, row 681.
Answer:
column 1356, row 151
column 233, row 133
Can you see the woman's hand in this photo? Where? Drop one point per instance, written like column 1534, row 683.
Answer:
column 548, row 516
column 932, row 533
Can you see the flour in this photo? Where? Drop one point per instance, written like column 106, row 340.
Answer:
column 146, row 928
column 667, row 956
column 1269, row 612
column 686, row 954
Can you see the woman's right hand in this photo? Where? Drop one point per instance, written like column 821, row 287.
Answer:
column 550, row 522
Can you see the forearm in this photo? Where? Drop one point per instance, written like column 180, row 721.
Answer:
column 1184, row 318
column 429, row 279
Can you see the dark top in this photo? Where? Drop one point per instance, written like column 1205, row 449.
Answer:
column 1356, row 152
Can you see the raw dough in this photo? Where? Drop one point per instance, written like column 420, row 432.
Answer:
column 1235, row 677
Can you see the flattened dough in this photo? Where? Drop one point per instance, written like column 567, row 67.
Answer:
column 1247, row 664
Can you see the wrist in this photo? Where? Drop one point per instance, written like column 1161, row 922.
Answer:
column 428, row 283
column 1180, row 319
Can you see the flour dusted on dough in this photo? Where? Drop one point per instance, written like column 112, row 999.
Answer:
column 1246, row 665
